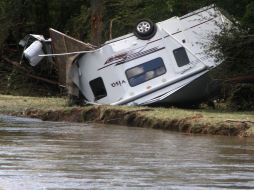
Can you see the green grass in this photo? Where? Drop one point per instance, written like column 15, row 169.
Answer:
column 9, row 104
column 207, row 115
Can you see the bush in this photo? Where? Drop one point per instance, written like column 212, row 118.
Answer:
column 242, row 98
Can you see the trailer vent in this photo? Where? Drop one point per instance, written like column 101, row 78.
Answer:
column 98, row 88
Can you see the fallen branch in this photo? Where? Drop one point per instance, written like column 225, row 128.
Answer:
column 242, row 79
column 17, row 65
column 134, row 111
column 239, row 121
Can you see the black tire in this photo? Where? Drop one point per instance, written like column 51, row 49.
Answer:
column 145, row 29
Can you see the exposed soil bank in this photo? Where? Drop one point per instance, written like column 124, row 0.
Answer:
column 187, row 121
column 141, row 117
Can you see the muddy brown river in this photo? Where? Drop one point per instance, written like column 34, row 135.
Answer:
column 47, row 155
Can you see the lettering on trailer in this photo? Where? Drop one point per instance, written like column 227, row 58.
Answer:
column 118, row 83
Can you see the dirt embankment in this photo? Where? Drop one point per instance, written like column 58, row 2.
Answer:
column 202, row 121
column 144, row 117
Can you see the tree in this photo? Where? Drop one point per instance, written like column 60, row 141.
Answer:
column 96, row 21
column 248, row 17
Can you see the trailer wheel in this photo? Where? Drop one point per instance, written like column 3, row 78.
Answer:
column 145, row 29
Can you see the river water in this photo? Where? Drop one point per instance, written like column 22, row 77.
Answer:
column 47, row 155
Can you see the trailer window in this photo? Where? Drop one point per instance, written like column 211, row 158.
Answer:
column 181, row 57
column 98, row 88
column 146, row 71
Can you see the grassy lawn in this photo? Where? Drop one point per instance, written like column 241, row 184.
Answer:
column 201, row 114
column 9, row 104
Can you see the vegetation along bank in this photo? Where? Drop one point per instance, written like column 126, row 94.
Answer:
column 201, row 121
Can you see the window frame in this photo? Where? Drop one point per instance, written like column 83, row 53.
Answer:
column 177, row 60
column 128, row 78
column 96, row 98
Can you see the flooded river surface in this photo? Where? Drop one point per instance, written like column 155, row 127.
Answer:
column 47, row 155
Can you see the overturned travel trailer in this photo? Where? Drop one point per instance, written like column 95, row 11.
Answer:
column 163, row 63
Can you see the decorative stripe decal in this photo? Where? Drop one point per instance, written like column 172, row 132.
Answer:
column 124, row 57
column 132, row 57
column 141, row 54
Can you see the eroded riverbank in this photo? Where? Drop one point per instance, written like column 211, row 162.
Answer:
column 187, row 121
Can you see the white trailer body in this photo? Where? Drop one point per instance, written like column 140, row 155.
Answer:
column 129, row 70
column 165, row 63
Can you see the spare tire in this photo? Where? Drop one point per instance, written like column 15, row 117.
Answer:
column 145, row 29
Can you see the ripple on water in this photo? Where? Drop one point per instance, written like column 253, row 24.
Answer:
column 47, row 155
